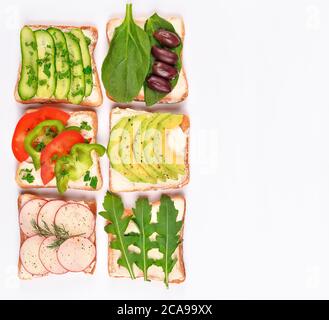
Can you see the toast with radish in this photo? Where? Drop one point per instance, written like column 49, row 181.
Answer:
column 154, row 59
column 56, row 236
column 57, row 148
column 58, row 66
column 146, row 241
column 148, row 151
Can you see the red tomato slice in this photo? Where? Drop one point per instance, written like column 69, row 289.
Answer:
column 60, row 146
column 28, row 122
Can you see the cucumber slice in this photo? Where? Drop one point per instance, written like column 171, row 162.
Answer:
column 46, row 64
column 62, row 64
column 28, row 82
column 86, row 60
column 77, row 87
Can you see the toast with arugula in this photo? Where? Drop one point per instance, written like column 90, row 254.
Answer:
column 146, row 241
column 57, row 148
column 58, row 66
column 148, row 151
column 153, row 69
column 56, row 236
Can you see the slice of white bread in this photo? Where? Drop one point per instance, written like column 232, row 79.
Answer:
column 119, row 183
column 75, row 120
column 154, row 272
column 180, row 92
column 23, row 274
column 96, row 97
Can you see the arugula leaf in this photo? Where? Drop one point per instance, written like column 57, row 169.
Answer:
column 127, row 63
column 114, row 213
column 167, row 239
column 152, row 24
column 142, row 218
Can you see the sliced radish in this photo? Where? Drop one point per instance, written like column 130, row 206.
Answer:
column 28, row 213
column 77, row 219
column 48, row 211
column 48, row 257
column 29, row 255
column 76, row 254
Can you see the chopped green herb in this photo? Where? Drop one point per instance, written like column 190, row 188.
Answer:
column 31, row 44
column 26, row 175
column 88, row 40
column 50, row 132
column 87, row 70
column 94, row 182
column 87, row 176
column 46, row 69
column 32, row 78
column 85, row 126
column 40, row 146
column 42, row 82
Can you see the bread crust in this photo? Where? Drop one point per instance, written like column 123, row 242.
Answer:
column 94, row 125
column 112, row 264
column 22, row 199
column 170, row 98
column 97, row 86
column 179, row 185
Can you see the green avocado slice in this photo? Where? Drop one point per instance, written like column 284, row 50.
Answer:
column 113, row 151
column 137, row 147
column 151, row 135
column 127, row 156
column 171, row 122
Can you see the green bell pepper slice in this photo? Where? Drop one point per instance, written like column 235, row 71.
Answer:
column 34, row 134
column 74, row 166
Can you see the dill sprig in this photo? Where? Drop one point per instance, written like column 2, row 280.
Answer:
column 57, row 231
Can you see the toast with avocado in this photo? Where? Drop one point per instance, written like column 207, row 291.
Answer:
column 58, row 66
column 57, row 236
column 57, row 149
column 148, row 151
column 147, row 240
column 153, row 70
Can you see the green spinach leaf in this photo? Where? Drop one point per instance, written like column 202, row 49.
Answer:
column 152, row 24
column 127, row 63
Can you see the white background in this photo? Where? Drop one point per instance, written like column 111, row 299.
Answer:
column 257, row 223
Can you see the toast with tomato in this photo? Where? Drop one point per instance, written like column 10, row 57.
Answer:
column 57, row 236
column 56, row 148
column 58, row 66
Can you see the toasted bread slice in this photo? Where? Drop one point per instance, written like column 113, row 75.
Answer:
column 75, row 120
column 180, row 92
column 119, row 183
column 96, row 97
column 154, row 272
column 23, row 274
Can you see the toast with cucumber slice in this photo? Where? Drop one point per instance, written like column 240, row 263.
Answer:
column 58, row 66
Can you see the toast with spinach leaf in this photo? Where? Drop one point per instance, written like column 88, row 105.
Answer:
column 180, row 86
